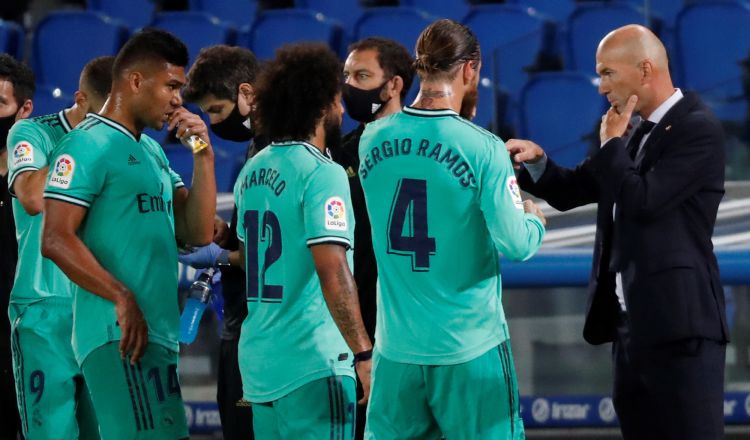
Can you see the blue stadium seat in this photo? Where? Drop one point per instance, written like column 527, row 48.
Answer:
column 65, row 41
column 398, row 23
column 667, row 10
column 588, row 24
column 712, row 38
column 486, row 116
column 346, row 12
column 453, row 9
column 196, row 29
column 558, row 111
column 510, row 38
column 275, row 27
column 11, row 39
column 230, row 156
column 557, row 10
column 134, row 13
column 181, row 161
column 47, row 100
column 237, row 12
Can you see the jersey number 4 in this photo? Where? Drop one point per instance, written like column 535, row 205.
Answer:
column 407, row 226
column 270, row 232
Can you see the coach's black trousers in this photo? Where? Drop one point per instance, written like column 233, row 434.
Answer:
column 236, row 415
column 673, row 391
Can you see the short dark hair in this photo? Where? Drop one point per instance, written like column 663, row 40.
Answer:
column 97, row 75
column 293, row 91
column 219, row 70
column 442, row 46
column 148, row 45
column 393, row 58
column 20, row 75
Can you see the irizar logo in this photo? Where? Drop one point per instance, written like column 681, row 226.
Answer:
column 607, row 410
column 540, row 410
column 747, row 405
column 729, row 407
column 132, row 160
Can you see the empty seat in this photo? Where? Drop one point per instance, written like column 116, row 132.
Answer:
column 711, row 39
column 346, row 12
column 237, row 12
column 133, row 13
column 558, row 10
column 397, row 23
column 47, row 101
column 65, row 41
column 196, row 29
column 11, row 39
column 560, row 111
column 453, row 9
column 276, row 27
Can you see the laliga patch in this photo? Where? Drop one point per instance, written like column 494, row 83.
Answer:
column 335, row 216
column 515, row 192
column 62, row 174
column 23, row 154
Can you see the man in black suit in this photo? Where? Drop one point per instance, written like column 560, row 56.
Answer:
column 654, row 290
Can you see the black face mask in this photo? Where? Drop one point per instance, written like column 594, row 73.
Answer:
column 363, row 105
column 235, row 127
column 5, row 124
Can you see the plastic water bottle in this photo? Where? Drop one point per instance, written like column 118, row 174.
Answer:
column 198, row 296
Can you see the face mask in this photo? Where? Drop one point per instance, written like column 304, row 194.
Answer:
column 5, row 124
column 362, row 105
column 235, row 127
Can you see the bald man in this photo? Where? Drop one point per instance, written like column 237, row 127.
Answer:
column 654, row 290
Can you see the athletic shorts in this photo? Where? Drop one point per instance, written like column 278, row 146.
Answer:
column 477, row 399
column 141, row 401
column 321, row 409
column 52, row 398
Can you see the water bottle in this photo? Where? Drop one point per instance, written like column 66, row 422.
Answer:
column 198, row 296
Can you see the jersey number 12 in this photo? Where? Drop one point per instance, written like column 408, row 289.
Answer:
column 255, row 233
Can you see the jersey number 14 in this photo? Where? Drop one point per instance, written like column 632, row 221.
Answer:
column 408, row 232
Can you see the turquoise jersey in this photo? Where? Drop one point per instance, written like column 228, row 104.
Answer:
column 290, row 197
column 126, row 186
column 443, row 201
column 32, row 142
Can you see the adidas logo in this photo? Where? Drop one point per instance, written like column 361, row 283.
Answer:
column 132, row 160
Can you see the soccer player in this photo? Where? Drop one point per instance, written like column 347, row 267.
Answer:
column 112, row 210
column 443, row 201
column 221, row 83
column 16, row 90
column 41, row 309
column 295, row 226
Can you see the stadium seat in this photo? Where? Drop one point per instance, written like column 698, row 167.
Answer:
column 230, row 156
column 454, row 9
column 510, row 38
column 667, row 10
column 588, row 24
column 181, row 161
column 11, row 39
column 346, row 12
column 237, row 12
column 486, row 116
column 47, row 100
column 65, row 41
column 711, row 39
column 133, row 13
column 276, row 27
column 557, row 10
column 398, row 23
column 559, row 111
column 196, row 29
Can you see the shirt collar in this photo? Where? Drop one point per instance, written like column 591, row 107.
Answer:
column 657, row 115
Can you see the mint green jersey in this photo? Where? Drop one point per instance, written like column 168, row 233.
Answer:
column 126, row 186
column 443, row 201
column 289, row 197
column 31, row 143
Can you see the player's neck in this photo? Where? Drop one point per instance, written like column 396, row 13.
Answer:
column 437, row 96
column 74, row 115
column 116, row 110
column 319, row 138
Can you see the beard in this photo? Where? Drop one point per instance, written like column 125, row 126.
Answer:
column 332, row 129
column 469, row 104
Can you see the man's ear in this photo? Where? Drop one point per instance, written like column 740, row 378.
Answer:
column 135, row 80
column 25, row 110
column 397, row 85
column 647, row 70
column 469, row 72
column 80, row 99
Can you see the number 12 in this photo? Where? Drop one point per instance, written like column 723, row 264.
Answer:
column 255, row 275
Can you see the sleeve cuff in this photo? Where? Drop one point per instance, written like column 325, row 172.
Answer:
column 536, row 169
column 67, row 198
column 330, row 239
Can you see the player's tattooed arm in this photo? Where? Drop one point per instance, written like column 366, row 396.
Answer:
column 340, row 292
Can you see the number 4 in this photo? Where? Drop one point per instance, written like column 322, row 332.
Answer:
column 407, row 226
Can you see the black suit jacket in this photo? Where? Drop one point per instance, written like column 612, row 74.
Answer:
column 661, row 238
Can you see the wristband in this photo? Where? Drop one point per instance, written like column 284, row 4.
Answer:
column 362, row 356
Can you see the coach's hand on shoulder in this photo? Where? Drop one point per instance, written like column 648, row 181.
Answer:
column 532, row 208
column 133, row 327
column 523, row 151
column 364, row 371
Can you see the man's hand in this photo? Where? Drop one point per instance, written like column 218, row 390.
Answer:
column 221, row 232
column 132, row 326
column 531, row 208
column 615, row 124
column 188, row 124
column 523, row 151
column 364, row 371
column 205, row 257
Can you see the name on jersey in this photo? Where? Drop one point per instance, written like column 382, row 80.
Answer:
column 23, row 154
column 153, row 203
column 435, row 151
column 267, row 177
column 62, row 173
